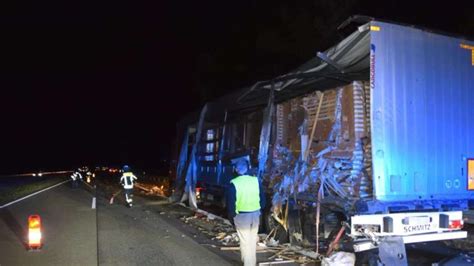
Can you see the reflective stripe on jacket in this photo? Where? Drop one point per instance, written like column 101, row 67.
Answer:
column 127, row 179
column 76, row 175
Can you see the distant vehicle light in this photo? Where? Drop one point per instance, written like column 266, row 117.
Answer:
column 34, row 174
column 40, row 174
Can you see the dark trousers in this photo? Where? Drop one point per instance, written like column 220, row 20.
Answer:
column 128, row 195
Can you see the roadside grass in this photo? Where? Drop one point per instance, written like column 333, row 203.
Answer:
column 26, row 189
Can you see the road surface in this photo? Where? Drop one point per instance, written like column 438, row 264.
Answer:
column 69, row 229
column 141, row 236
column 76, row 234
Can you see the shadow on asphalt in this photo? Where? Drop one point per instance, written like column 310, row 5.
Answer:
column 15, row 227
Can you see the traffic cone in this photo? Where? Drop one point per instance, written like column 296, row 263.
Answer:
column 34, row 231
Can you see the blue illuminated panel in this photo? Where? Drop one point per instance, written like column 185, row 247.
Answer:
column 422, row 109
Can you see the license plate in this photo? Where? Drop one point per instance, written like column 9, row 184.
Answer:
column 417, row 224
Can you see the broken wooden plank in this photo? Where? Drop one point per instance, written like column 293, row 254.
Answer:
column 259, row 248
column 314, row 127
column 275, row 262
column 307, row 253
column 278, row 253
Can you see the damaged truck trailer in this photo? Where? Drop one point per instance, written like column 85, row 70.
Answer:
column 375, row 133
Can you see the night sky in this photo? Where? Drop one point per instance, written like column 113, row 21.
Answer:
column 105, row 82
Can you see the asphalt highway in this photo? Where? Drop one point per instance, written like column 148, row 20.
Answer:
column 68, row 227
column 111, row 234
column 137, row 236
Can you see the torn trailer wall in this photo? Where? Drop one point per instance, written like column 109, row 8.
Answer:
column 339, row 157
column 192, row 167
column 339, row 161
column 339, row 141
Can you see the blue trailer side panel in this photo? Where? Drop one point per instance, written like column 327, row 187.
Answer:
column 422, row 87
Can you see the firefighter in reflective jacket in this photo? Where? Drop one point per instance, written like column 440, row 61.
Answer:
column 127, row 180
column 76, row 177
column 245, row 200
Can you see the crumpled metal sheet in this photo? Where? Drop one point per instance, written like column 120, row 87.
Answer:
column 183, row 157
column 191, row 174
column 265, row 135
column 180, row 168
column 292, row 175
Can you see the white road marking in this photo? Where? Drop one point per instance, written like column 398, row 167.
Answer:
column 93, row 203
column 31, row 195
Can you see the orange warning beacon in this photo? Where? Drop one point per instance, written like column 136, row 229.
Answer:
column 34, row 231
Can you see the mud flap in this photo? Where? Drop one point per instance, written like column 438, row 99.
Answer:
column 392, row 251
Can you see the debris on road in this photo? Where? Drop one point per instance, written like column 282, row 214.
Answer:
column 154, row 185
column 339, row 258
column 151, row 189
column 215, row 228
column 223, row 236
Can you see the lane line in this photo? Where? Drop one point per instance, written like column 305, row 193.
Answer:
column 31, row 195
column 93, row 203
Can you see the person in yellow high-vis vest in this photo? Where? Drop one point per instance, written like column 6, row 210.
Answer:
column 245, row 199
column 127, row 179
